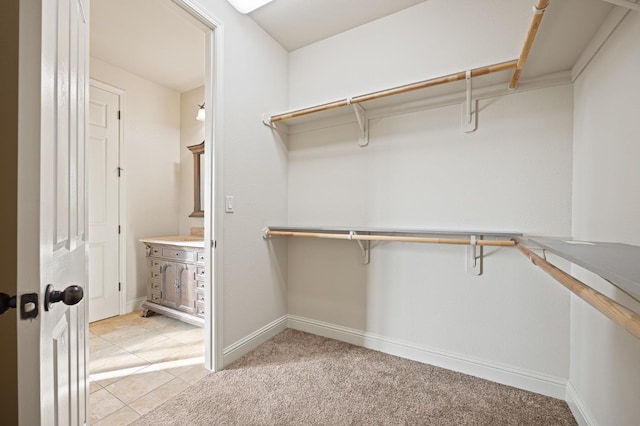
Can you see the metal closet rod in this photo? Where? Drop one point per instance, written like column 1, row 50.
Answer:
column 462, row 75
column 612, row 309
column 360, row 237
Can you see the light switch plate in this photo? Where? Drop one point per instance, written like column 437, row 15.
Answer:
column 228, row 204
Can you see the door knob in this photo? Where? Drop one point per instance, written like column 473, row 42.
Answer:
column 6, row 302
column 69, row 296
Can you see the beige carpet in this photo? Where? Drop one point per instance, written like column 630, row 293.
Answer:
column 301, row 379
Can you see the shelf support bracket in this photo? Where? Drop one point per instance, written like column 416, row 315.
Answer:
column 363, row 124
column 469, row 109
column 266, row 120
column 364, row 246
column 474, row 256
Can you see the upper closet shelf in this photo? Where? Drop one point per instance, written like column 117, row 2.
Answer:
column 394, row 96
column 617, row 263
column 413, row 92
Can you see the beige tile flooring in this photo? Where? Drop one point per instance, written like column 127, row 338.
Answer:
column 137, row 363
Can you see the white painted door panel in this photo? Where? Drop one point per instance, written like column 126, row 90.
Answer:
column 102, row 182
column 52, row 348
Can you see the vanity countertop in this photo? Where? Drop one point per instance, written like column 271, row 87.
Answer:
column 179, row 240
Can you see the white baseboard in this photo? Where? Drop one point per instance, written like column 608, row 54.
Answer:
column 250, row 342
column 134, row 305
column 578, row 407
column 523, row 379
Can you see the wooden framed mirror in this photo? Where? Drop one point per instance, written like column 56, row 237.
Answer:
column 198, row 179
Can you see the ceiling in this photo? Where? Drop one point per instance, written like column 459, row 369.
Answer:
column 153, row 39
column 297, row 23
column 157, row 40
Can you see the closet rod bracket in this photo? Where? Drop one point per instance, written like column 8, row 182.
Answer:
column 365, row 246
column 266, row 120
column 363, row 124
column 474, row 256
column 469, row 108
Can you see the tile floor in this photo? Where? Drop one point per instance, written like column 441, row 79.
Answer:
column 138, row 363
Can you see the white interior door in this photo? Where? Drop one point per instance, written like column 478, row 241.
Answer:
column 52, row 347
column 103, row 194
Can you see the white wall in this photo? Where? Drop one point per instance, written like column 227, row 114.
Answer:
column 421, row 171
column 191, row 133
column 604, row 358
column 411, row 45
column 255, row 173
column 151, row 162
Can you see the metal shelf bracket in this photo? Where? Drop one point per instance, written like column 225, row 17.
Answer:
column 266, row 120
column 474, row 256
column 469, row 109
column 363, row 124
column 364, row 246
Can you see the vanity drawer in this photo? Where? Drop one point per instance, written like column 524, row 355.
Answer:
column 200, row 309
column 155, row 273
column 178, row 254
column 200, row 273
column 155, row 264
column 155, row 251
column 200, row 296
column 155, row 284
column 200, row 256
column 200, row 284
column 155, row 296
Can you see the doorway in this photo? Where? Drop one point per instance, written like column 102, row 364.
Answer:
column 163, row 178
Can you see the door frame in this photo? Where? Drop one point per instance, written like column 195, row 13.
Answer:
column 213, row 160
column 122, row 237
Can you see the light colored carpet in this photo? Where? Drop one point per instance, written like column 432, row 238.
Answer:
column 302, row 379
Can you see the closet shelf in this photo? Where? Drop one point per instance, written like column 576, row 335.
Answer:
column 616, row 263
column 369, row 98
column 437, row 236
column 372, row 100
column 474, row 240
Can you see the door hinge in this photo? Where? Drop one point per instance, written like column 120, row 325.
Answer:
column 119, row 286
column 118, row 115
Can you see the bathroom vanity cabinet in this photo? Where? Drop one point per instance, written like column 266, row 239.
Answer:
column 175, row 278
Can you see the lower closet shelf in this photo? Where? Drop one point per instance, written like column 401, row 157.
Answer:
column 475, row 240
